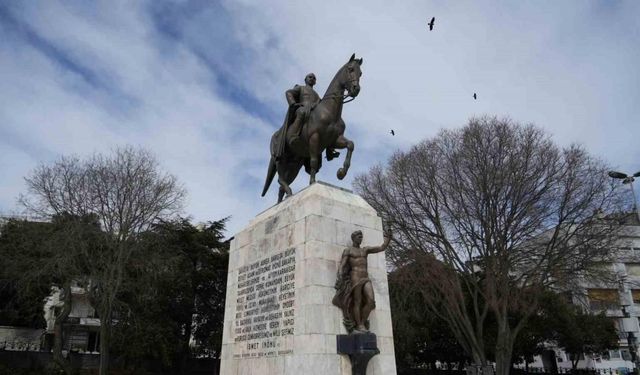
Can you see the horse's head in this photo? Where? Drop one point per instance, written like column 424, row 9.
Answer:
column 351, row 76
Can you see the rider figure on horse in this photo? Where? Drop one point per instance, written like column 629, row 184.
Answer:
column 318, row 125
column 301, row 100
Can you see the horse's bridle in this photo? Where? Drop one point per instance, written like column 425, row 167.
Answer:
column 347, row 101
column 343, row 97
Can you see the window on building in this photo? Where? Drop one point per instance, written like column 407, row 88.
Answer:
column 633, row 269
column 614, row 354
column 603, row 299
column 93, row 344
column 626, row 355
column 635, row 294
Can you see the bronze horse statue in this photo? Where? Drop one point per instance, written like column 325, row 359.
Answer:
column 323, row 130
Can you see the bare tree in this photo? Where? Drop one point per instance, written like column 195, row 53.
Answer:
column 492, row 214
column 127, row 193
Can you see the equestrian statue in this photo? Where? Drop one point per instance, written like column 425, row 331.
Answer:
column 311, row 126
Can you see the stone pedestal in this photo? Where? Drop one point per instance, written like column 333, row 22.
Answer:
column 360, row 348
column 282, row 269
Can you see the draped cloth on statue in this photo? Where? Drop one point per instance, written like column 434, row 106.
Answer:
column 282, row 133
column 344, row 298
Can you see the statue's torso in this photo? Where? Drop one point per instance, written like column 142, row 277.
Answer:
column 358, row 262
column 308, row 96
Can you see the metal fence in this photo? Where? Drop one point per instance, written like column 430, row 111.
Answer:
column 21, row 346
column 34, row 360
column 580, row 371
column 522, row 371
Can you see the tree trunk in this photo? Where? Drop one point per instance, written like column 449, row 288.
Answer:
column 58, row 332
column 504, row 347
column 105, row 338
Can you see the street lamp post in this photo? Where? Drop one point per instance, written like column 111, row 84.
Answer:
column 628, row 180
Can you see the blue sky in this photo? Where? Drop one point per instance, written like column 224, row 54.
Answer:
column 201, row 83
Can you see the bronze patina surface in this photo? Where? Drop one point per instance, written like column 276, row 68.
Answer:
column 354, row 291
column 311, row 126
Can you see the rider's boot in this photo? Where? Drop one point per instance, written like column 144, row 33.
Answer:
column 332, row 154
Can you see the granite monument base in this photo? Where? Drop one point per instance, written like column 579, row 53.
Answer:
column 279, row 319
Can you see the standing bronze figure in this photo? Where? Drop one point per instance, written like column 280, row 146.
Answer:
column 354, row 292
column 312, row 126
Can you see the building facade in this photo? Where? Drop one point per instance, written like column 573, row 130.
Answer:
column 82, row 326
column 618, row 299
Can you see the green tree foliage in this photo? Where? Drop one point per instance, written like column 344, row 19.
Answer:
column 420, row 338
column 423, row 338
column 540, row 329
column 173, row 304
column 22, row 294
column 39, row 255
column 583, row 333
column 127, row 193
column 42, row 255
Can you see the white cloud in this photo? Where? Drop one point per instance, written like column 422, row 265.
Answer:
column 176, row 77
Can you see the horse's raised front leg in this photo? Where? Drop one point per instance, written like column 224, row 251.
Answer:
column 314, row 156
column 343, row 142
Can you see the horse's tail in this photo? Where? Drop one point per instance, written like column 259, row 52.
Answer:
column 271, row 172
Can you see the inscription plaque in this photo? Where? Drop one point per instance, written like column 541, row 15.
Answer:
column 265, row 306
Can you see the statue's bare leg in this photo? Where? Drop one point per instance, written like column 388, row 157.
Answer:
column 357, row 314
column 343, row 142
column 369, row 301
column 314, row 155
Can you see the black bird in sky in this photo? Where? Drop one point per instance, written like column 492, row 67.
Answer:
column 433, row 20
column 475, row 97
column 392, row 132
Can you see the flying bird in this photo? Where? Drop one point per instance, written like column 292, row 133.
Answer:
column 475, row 97
column 623, row 176
column 433, row 20
column 392, row 132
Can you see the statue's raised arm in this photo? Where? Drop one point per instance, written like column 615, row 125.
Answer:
column 376, row 249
